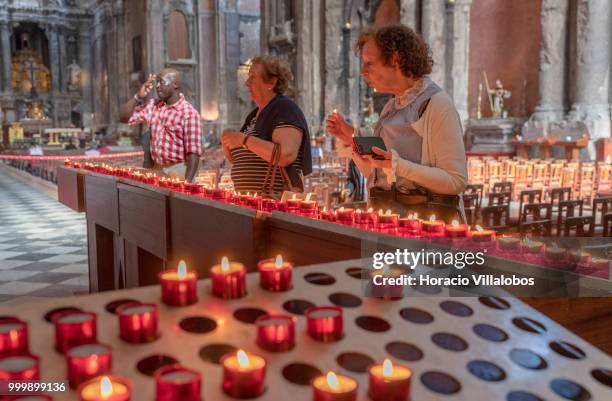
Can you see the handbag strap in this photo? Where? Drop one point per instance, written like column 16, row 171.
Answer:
column 270, row 179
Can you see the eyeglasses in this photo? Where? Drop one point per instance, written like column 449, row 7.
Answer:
column 162, row 82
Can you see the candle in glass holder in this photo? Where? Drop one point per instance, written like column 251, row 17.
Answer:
column 532, row 247
column 19, row 367
column 410, row 225
column 345, row 216
column 220, row 194
column 389, row 382
column 509, row 244
column 67, row 163
column 138, row 323
column 328, row 215
column 480, row 235
column 105, row 388
column 388, row 220
column 276, row 333
column 192, row 187
column 456, row 230
column 333, row 387
column 244, row 374
column 177, row 383
column 73, row 328
column 87, row 361
column 580, row 257
column 228, row 279
column 325, row 323
column 179, row 287
column 253, row 201
column 275, row 274
column 294, row 203
column 367, row 219
column 269, row 205
column 433, row 227
column 555, row 253
column 13, row 336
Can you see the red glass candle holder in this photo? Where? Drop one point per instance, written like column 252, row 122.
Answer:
column 179, row 287
column 293, row 203
column 74, row 328
column 87, row 361
column 138, row 323
column 508, row 244
column 389, row 382
column 388, row 220
column 275, row 333
column 433, row 228
column 13, row 336
column 244, row 374
column 482, row 236
column 325, row 323
column 220, row 194
column 19, row 367
column 345, row 216
column 410, row 225
column 380, row 283
column 254, row 202
column 580, row 258
column 269, row 205
column 456, row 230
column 328, row 215
column 192, row 188
column 228, row 280
column 308, row 206
column 275, row 274
column 105, row 388
column 334, row 387
column 177, row 383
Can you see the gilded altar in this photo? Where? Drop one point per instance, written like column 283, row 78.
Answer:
column 28, row 72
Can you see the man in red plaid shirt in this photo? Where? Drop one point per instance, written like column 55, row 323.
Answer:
column 175, row 125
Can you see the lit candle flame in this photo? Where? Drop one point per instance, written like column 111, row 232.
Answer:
column 248, row 194
column 478, row 228
column 243, row 359
column 608, row 160
column 106, row 387
column 432, row 217
column 358, row 211
column 341, row 209
column 307, row 198
column 225, row 264
column 332, row 381
column 278, row 263
column 387, row 368
column 182, row 270
column 293, row 197
column 380, row 212
column 370, row 210
column 388, row 212
column 455, row 223
column 325, row 208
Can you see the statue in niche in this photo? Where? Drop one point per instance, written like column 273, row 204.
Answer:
column 498, row 94
column 74, row 76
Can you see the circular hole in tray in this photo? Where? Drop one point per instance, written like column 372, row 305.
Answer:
column 569, row 390
column 114, row 305
column 440, row 382
column 297, row 306
column 490, row 333
column 522, row 396
column 248, row 315
column 494, row 302
column 404, row 351
column 415, row 315
column 567, row 350
column 214, row 352
column 354, row 361
column 456, row 308
column 320, row 279
column 428, row 289
column 345, row 300
column 147, row 366
column 449, row 342
column 300, row 373
column 32, row 398
column 373, row 323
column 528, row 359
column 357, row 272
column 604, row 376
column 198, row 324
column 530, row 325
column 487, row 371
column 53, row 312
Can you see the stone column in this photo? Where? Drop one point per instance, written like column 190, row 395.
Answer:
column 54, row 55
column 85, row 53
column 5, row 44
column 63, row 62
column 408, row 14
column 207, row 61
column 553, row 64
column 433, row 25
column 459, row 55
column 155, row 36
column 590, row 98
column 333, row 55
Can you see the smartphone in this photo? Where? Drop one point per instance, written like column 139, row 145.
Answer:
column 364, row 145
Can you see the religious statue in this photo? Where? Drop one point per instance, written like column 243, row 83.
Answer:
column 498, row 94
column 35, row 110
column 74, row 74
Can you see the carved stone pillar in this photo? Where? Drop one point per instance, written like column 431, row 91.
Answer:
column 553, row 65
column 434, row 32
column 333, row 55
column 590, row 97
column 85, row 54
column 63, row 56
column 5, row 44
column 54, row 55
column 459, row 55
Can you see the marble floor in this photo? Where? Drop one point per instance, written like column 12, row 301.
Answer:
column 43, row 245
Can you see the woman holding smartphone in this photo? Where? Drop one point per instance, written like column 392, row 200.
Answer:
column 424, row 167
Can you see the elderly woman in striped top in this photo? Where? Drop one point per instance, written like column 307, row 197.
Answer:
column 275, row 120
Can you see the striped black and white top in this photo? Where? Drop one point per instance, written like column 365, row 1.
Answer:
column 249, row 170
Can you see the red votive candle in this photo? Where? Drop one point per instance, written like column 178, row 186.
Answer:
column 177, row 383
column 389, row 382
column 244, row 374
column 105, row 388
column 294, row 203
column 327, row 215
column 325, row 323
column 580, row 257
column 74, row 328
column 410, row 225
column 388, row 220
column 433, row 227
column 508, row 244
column 192, row 187
column 19, row 367
column 366, row 219
column 345, row 216
column 179, row 287
column 456, row 230
column 13, row 336
column 67, row 163
column 87, row 361
column 254, row 201
column 275, row 274
column 219, row 194
column 334, row 387
column 269, row 205
column 275, row 333
column 138, row 323
column 532, row 247
column 555, row 253
column 480, row 235
column 228, row 279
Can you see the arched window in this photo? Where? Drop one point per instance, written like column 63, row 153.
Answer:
column 178, row 37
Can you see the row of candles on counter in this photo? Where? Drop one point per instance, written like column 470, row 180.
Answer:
column 89, row 363
column 459, row 235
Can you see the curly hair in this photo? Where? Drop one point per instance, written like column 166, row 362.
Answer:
column 274, row 67
column 413, row 53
